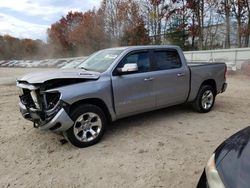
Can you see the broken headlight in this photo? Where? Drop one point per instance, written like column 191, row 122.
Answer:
column 213, row 177
column 20, row 91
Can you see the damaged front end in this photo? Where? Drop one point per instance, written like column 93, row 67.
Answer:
column 43, row 107
column 40, row 99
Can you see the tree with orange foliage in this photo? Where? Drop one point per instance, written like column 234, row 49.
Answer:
column 58, row 33
column 15, row 48
column 89, row 35
column 78, row 33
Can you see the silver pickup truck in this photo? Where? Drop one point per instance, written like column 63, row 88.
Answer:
column 116, row 83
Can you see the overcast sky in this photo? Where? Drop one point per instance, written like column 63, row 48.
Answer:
column 31, row 18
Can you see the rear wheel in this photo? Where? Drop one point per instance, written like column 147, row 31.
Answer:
column 89, row 125
column 204, row 101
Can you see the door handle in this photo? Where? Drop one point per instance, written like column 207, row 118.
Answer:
column 180, row 74
column 148, row 79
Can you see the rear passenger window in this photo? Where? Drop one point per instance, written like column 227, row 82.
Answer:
column 167, row 59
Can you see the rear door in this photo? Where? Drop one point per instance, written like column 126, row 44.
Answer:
column 134, row 92
column 171, row 78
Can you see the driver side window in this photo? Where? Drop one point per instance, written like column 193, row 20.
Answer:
column 140, row 58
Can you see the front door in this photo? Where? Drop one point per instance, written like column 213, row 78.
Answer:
column 134, row 92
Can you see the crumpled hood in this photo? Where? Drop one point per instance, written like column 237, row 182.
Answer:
column 41, row 77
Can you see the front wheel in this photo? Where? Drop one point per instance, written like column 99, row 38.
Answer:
column 89, row 125
column 204, row 101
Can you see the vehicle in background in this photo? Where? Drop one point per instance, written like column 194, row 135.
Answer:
column 116, row 83
column 73, row 64
column 229, row 166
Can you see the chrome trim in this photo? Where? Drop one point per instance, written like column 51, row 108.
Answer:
column 35, row 99
column 26, row 86
column 207, row 99
column 87, row 127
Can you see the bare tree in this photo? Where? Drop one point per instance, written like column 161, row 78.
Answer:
column 157, row 14
column 197, row 9
column 247, row 2
column 224, row 8
column 239, row 11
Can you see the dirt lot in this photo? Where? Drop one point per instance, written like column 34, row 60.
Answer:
column 166, row 148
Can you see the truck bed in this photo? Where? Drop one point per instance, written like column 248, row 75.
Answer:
column 205, row 71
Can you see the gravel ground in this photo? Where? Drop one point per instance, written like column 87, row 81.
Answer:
column 165, row 148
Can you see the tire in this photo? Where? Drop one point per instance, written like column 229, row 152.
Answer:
column 89, row 126
column 205, row 99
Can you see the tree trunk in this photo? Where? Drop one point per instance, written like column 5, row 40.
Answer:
column 239, row 33
column 248, row 33
column 200, row 18
column 183, row 25
column 193, row 37
column 159, row 33
column 248, row 25
column 202, row 23
column 237, row 10
column 158, row 26
column 227, row 15
column 239, row 36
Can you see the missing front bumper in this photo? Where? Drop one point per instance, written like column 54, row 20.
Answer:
column 60, row 122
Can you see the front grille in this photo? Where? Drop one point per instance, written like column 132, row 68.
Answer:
column 41, row 107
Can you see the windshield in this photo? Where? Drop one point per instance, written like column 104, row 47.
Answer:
column 100, row 61
column 72, row 64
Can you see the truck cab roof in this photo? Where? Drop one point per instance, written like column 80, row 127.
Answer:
column 144, row 47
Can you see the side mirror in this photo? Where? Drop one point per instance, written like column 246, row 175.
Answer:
column 129, row 67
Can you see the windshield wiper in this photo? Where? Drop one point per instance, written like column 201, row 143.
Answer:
column 84, row 68
column 88, row 69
